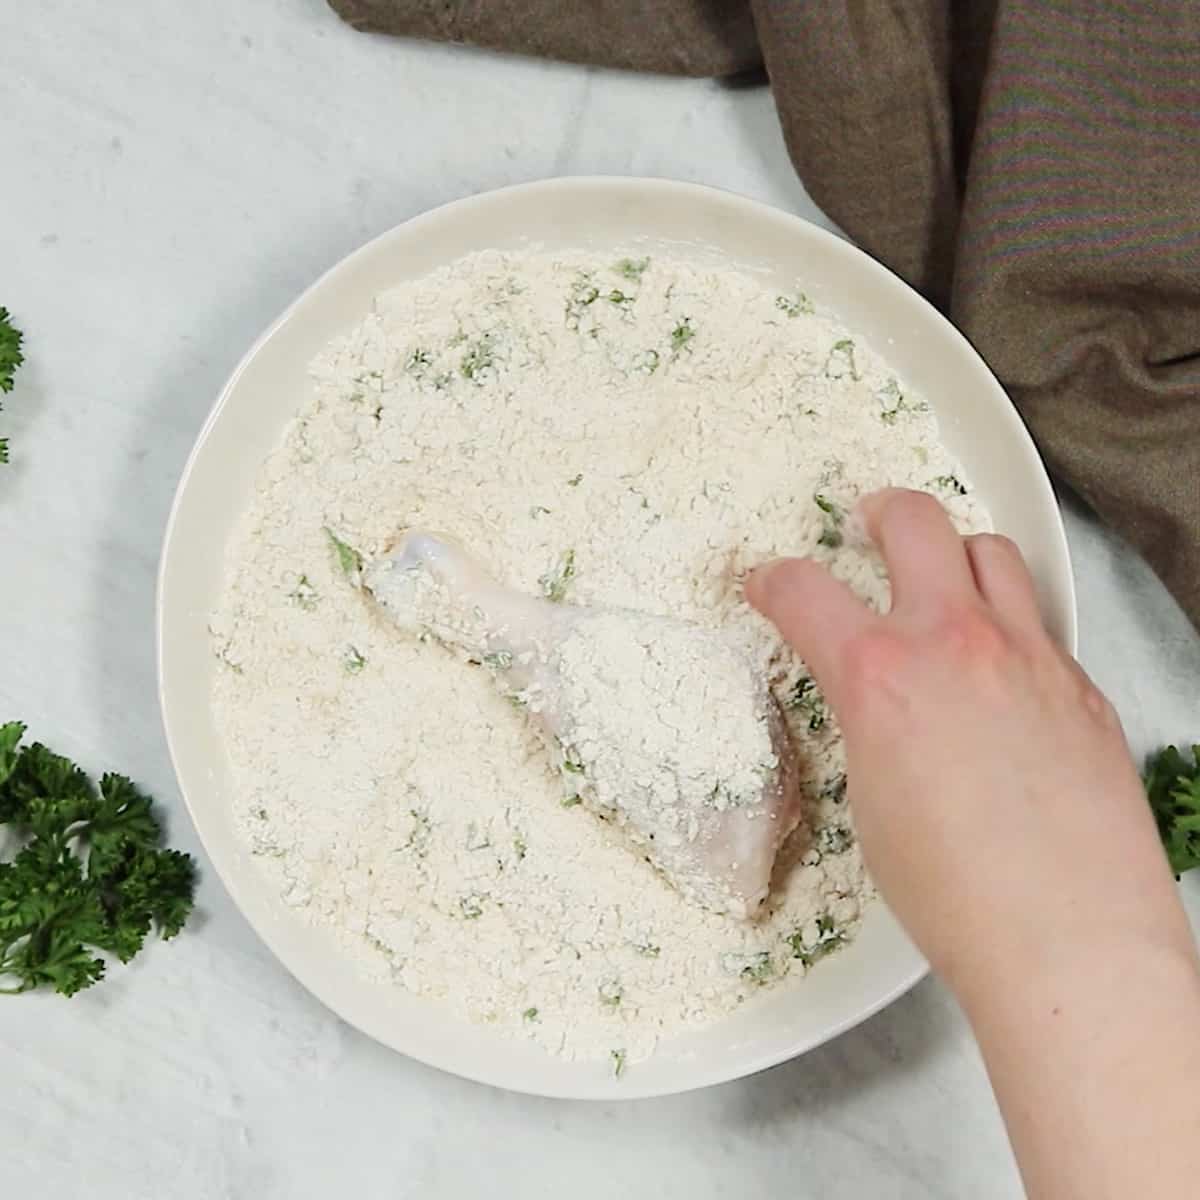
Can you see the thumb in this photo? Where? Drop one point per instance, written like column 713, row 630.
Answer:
column 815, row 613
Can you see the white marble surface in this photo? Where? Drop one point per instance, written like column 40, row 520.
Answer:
column 173, row 174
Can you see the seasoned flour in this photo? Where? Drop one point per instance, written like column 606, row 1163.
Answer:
column 632, row 432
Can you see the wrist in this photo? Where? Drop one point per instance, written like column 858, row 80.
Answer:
column 1084, row 979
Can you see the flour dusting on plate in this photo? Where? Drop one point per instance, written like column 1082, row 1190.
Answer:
column 628, row 431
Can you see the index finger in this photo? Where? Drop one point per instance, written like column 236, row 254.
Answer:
column 816, row 614
column 925, row 555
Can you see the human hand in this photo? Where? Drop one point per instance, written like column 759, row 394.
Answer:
column 996, row 802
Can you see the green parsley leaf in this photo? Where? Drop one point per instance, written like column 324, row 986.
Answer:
column 834, row 839
column 611, row 993
column 831, row 533
column 1173, row 789
column 805, row 697
column 10, row 738
column 349, row 559
column 304, row 595
column 795, row 305
column 828, row 939
column 88, row 876
column 841, row 361
column 632, row 268
column 10, row 359
column 555, row 583
column 10, row 351
column 478, row 360
column 682, row 334
column 950, row 484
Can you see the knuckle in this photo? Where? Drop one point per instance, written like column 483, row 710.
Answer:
column 874, row 659
column 971, row 633
column 1098, row 705
column 999, row 543
column 999, row 548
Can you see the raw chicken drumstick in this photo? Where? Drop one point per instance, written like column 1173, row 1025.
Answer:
column 660, row 725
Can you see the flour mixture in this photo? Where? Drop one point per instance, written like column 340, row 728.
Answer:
column 633, row 432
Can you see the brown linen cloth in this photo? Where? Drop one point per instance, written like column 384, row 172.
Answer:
column 1032, row 166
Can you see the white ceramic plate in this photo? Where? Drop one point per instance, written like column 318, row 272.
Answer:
column 978, row 423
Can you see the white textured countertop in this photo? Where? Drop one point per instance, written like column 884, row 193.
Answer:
column 173, row 175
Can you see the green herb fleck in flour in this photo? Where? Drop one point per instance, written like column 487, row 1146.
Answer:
column 647, row 949
column 834, row 839
column 761, row 969
column 420, row 834
column 899, row 403
column 471, row 906
column 647, row 362
column 951, row 485
column 556, row 582
column 583, row 294
column 841, row 361
column 520, row 846
column 810, row 945
column 681, row 335
column 632, row 268
column 611, row 993
column 618, row 1062
column 353, row 661
column 576, row 480
column 304, row 595
column 571, row 801
column 348, row 558
column 478, row 360
column 417, row 362
column 498, row 660
column 833, row 790
column 756, row 967
column 831, row 533
column 222, row 656
column 530, row 1014
column 794, row 306
column 805, row 697
column 621, row 299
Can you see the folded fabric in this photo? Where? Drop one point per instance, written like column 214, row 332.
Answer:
column 1032, row 166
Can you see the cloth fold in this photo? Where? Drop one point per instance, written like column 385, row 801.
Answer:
column 1032, row 166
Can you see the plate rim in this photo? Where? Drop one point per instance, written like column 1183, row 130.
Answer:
column 585, row 1089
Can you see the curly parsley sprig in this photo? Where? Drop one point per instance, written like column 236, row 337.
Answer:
column 1173, row 786
column 10, row 359
column 88, row 875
